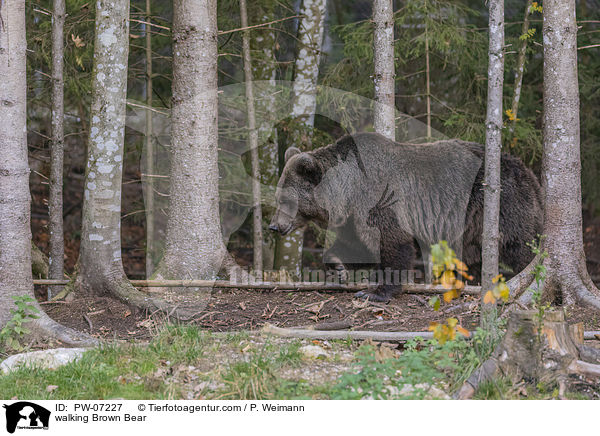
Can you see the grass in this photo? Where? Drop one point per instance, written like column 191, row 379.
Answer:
column 111, row 371
column 184, row 362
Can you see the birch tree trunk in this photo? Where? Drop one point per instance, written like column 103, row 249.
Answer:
column 15, row 231
column 100, row 268
column 288, row 253
column 257, row 233
column 561, row 165
column 263, row 43
column 383, row 57
column 194, row 245
column 55, row 200
column 493, row 147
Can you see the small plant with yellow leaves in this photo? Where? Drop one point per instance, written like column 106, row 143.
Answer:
column 535, row 7
column 511, row 115
column 448, row 271
column 447, row 332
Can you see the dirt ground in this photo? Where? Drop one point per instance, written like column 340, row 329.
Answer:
column 236, row 309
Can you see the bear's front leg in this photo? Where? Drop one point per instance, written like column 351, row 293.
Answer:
column 400, row 257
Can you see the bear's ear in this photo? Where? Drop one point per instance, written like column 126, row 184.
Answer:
column 308, row 168
column 292, row 151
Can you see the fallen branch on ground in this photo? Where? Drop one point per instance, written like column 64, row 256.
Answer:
column 344, row 334
column 411, row 288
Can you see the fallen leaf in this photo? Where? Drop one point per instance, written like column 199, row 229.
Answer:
column 315, row 307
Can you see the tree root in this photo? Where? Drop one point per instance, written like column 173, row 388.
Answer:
column 519, row 283
column 46, row 328
column 181, row 305
column 584, row 291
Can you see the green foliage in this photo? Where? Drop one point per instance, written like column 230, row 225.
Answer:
column 528, row 35
column 14, row 330
column 422, row 366
column 484, row 341
column 539, row 274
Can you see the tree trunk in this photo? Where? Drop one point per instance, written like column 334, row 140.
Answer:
column 100, row 268
column 428, row 83
column 493, row 146
column 150, row 235
column 288, row 253
column 257, row 234
column 561, row 164
column 15, row 232
column 55, row 199
column 383, row 57
column 194, row 244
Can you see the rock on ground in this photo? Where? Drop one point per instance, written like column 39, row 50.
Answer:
column 49, row 359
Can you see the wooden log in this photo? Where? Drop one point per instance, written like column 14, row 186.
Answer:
column 412, row 288
column 345, row 334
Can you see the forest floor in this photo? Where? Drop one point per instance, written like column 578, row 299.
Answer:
column 237, row 309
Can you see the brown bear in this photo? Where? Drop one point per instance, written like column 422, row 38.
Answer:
column 378, row 196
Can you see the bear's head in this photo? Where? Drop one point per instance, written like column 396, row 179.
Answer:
column 295, row 195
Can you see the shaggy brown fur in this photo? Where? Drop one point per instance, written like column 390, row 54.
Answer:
column 437, row 195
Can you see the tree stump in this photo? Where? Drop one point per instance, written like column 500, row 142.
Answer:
column 548, row 353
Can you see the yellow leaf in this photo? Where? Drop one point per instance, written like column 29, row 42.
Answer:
column 488, row 298
column 448, row 279
column 495, row 279
column 460, row 266
column 459, row 284
column 450, row 295
column 452, row 322
column 435, row 303
column 466, row 276
column 433, row 326
column 447, row 296
column 463, row 331
column 504, row 291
